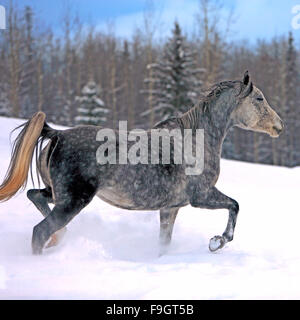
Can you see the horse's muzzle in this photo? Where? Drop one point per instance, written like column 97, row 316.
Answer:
column 277, row 128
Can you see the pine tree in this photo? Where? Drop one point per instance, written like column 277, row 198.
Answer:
column 28, row 105
column 4, row 101
column 64, row 116
column 62, row 105
column 175, row 78
column 291, row 82
column 92, row 110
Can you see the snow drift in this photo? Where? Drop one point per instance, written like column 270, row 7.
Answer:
column 109, row 253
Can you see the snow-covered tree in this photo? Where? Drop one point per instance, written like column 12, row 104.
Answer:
column 61, row 113
column 64, row 116
column 291, row 86
column 4, row 101
column 176, row 83
column 92, row 110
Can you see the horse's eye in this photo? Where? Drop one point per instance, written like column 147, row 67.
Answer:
column 260, row 99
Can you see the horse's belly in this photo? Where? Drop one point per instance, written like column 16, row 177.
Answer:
column 115, row 198
column 122, row 200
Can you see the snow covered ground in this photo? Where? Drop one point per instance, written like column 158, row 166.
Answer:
column 110, row 253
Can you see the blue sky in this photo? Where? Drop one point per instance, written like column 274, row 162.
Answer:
column 254, row 19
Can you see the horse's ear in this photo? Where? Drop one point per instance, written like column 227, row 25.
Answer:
column 246, row 79
column 248, row 85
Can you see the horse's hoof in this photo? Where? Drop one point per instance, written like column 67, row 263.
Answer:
column 56, row 238
column 216, row 243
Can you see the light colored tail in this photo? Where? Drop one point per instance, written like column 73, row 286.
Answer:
column 22, row 153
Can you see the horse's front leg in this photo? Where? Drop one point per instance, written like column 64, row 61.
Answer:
column 167, row 220
column 214, row 199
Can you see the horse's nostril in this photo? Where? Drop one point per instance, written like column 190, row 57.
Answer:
column 277, row 129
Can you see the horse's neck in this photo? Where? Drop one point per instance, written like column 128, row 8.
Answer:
column 215, row 122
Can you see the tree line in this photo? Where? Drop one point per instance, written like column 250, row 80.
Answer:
column 84, row 75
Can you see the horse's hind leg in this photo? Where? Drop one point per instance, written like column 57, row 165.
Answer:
column 167, row 220
column 41, row 198
column 66, row 208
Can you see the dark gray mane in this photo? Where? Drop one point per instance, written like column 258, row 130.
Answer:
column 217, row 89
column 205, row 103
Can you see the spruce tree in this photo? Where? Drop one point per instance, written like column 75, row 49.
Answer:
column 92, row 110
column 61, row 113
column 4, row 101
column 64, row 117
column 175, row 78
column 291, row 95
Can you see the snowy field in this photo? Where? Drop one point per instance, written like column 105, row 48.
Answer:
column 110, row 253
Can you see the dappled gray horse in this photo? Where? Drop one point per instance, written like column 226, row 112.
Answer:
column 72, row 175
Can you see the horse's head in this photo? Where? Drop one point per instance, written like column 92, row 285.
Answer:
column 254, row 112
